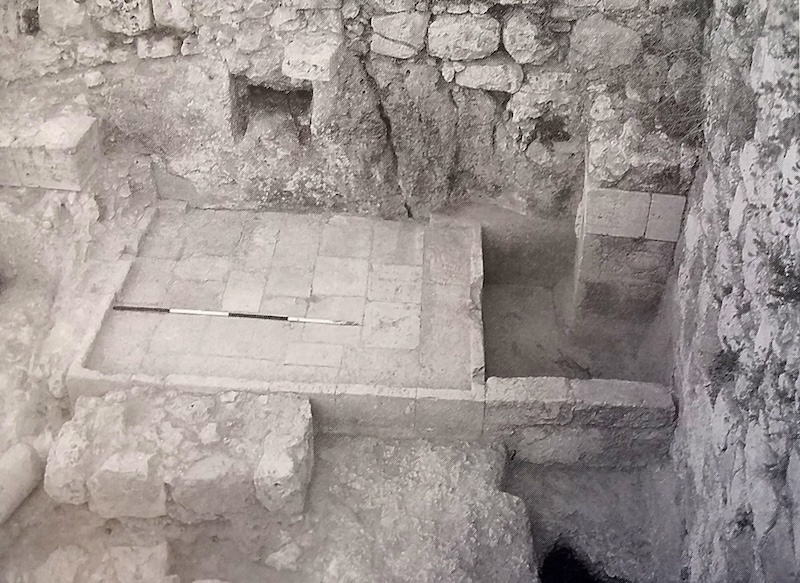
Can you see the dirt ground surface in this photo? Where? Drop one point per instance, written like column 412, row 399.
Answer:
column 377, row 511
column 528, row 273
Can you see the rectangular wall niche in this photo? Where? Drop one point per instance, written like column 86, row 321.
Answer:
column 268, row 111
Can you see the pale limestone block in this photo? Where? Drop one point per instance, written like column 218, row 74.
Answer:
column 215, row 485
column 495, row 73
column 665, row 217
column 20, row 472
column 64, row 478
column 524, row 38
column 127, row 485
column 128, row 17
column 391, row 325
column 519, row 402
column 60, row 153
column 609, row 403
column 61, row 17
column 399, row 35
column 619, row 213
column 172, row 14
column 314, row 354
column 313, row 56
column 157, row 48
column 8, row 168
column 463, row 37
column 284, row 469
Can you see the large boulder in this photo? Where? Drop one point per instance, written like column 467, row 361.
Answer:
column 597, row 42
column 525, row 38
column 213, row 453
column 423, row 121
column 430, row 512
column 463, row 37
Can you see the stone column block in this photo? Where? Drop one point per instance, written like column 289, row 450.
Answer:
column 495, row 73
column 313, row 56
column 463, row 37
column 284, row 470
column 665, row 217
column 20, row 472
column 126, row 484
column 619, row 213
column 399, row 35
column 60, row 153
column 128, row 17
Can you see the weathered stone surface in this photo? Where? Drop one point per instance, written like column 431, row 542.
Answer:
column 128, row 17
column 20, row 472
column 157, row 48
column 126, row 485
column 313, row 56
column 59, row 152
column 525, row 39
column 57, row 17
column 608, row 258
column 543, row 92
column 598, row 42
column 441, row 504
column 150, row 100
column 665, row 217
column 619, row 5
column 619, row 213
column 284, row 470
column 628, row 156
column 399, row 35
column 119, row 564
column 423, row 122
column 173, row 14
column 187, row 442
column 495, row 73
column 61, row 480
column 213, row 487
column 463, row 37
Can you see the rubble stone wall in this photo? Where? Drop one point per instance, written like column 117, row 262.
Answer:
column 412, row 104
column 738, row 353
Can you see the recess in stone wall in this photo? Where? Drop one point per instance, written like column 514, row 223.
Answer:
column 287, row 109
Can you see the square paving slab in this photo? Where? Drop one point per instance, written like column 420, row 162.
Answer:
column 408, row 287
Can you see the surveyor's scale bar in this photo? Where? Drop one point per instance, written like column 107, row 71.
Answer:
column 222, row 314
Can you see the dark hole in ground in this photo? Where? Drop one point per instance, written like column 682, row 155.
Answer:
column 562, row 565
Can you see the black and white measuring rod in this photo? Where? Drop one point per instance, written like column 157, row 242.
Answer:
column 221, row 314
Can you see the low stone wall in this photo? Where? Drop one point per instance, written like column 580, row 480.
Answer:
column 413, row 104
column 148, row 454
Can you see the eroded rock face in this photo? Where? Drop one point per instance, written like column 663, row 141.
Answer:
column 440, row 504
column 219, row 455
column 463, row 37
column 399, row 35
column 119, row 564
column 423, row 119
column 525, row 39
column 598, row 42
column 495, row 73
column 737, row 359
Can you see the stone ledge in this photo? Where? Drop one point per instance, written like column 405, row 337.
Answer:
column 59, row 153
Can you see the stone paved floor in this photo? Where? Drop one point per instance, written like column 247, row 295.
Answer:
column 407, row 286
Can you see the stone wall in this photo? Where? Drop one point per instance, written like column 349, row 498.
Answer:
column 412, row 104
column 739, row 286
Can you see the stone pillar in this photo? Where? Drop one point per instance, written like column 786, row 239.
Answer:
column 21, row 470
column 626, row 242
